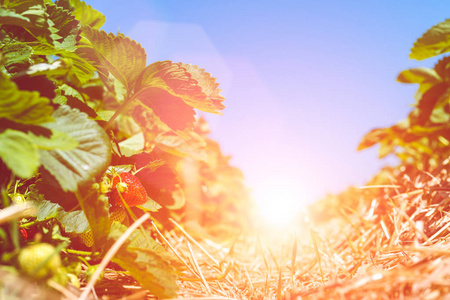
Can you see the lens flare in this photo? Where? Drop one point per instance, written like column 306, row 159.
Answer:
column 279, row 201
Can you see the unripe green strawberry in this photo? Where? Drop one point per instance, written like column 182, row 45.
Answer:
column 31, row 257
column 130, row 188
column 73, row 280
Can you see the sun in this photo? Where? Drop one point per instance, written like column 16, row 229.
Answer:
column 279, row 201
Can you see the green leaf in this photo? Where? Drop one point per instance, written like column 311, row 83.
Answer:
column 105, row 115
column 118, row 55
column 190, row 83
column 16, row 57
column 87, row 15
column 151, row 206
column 19, row 153
column 80, row 65
column 70, row 91
column 58, row 140
column 172, row 143
column 12, row 18
column 29, row 14
column 72, row 221
column 146, row 262
column 63, row 20
column 45, row 209
column 80, row 165
column 65, row 26
column 419, row 75
column 433, row 42
column 112, row 170
column 132, row 145
column 23, row 106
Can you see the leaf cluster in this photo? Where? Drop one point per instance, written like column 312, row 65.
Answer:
column 77, row 107
column 422, row 139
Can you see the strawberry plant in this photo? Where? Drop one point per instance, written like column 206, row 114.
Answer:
column 422, row 139
column 80, row 111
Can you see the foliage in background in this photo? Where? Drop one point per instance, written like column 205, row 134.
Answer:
column 77, row 107
column 421, row 141
column 423, row 138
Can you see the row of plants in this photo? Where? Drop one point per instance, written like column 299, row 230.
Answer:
column 421, row 142
column 92, row 138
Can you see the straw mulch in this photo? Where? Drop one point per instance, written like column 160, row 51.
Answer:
column 387, row 240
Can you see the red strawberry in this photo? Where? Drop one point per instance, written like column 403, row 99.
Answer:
column 130, row 188
column 23, row 233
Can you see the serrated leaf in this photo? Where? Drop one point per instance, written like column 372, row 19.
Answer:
column 70, row 91
column 188, row 82
column 23, row 106
column 112, row 170
column 45, row 209
column 58, row 140
column 16, row 56
column 213, row 101
column 72, row 221
column 27, row 14
column 19, row 153
column 80, row 165
column 63, row 20
column 66, row 27
column 81, row 67
column 433, row 42
column 118, row 55
column 171, row 110
column 419, row 75
column 87, row 15
column 145, row 263
column 12, row 18
column 174, row 144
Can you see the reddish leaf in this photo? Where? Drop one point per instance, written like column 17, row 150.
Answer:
column 192, row 84
column 156, row 176
column 169, row 108
column 373, row 137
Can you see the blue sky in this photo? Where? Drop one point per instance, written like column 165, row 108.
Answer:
column 303, row 80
